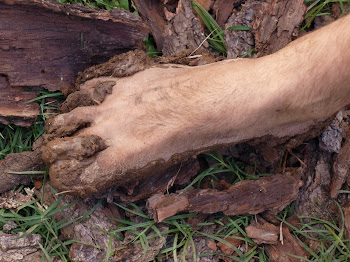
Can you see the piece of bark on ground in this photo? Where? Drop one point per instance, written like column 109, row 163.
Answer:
column 37, row 51
column 91, row 231
column 174, row 26
column 223, row 9
column 19, row 162
column 341, row 168
column 14, row 199
column 239, row 42
column 279, row 241
column 228, row 250
column 273, row 25
column 276, row 23
column 15, row 247
column 160, row 182
column 314, row 196
column 200, row 248
column 331, row 138
column 281, row 252
column 262, row 232
column 13, row 106
column 247, row 197
column 346, row 211
column 88, row 231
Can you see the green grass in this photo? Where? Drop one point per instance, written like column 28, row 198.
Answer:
column 328, row 234
column 233, row 170
column 16, row 139
column 35, row 218
column 101, row 4
column 181, row 245
column 215, row 36
column 319, row 8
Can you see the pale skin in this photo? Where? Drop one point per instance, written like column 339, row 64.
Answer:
column 160, row 112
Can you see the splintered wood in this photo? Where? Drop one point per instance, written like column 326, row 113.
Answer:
column 247, row 197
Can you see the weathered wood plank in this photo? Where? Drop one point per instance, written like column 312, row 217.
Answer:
column 13, row 107
column 46, row 44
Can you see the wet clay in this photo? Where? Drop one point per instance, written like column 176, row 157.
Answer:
column 87, row 97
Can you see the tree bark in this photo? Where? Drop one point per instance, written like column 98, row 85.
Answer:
column 46, row 44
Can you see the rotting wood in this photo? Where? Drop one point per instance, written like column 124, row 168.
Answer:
column 340, row 169
column 25, row 161
column 13, row 106
column 346, row 211
column 223, row 9
column 247, row 197
column 20, row 247
column 46, row 44
column 92, row 231
column 262, row 232
column 283, row 251
column 240, row 42
column 160, row 181
column 276, row 23
column 174, row 26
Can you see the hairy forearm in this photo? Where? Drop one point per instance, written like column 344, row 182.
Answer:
column 307, row 80
column 320, row 63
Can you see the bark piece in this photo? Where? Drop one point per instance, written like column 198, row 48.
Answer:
column 184, row 31
column 135, row 252
column 25, row 161
column 276, row 24
column 180, row 32
column 280, row 252
column 239, row 42
column 13, row 106
column 346, row 211
column 227, row 250
column 152, row 13
column 314, row 197
column 222, row 9
column 262, row 232
column 160, row 182
column 340, row 169
column 12, row 198
column 91, row 231
column 332, row 137
column 247, row 197
column 14, row 247
column 37, row 51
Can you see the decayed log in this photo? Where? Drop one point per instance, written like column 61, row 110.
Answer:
column 247, row 197
column 273, row 25
column 28, row 161
column 45, row 43
column 13, row 107
column 17, row 247
column 174, row 26
column 276, row 23
column 340, row 169
column 92, row 231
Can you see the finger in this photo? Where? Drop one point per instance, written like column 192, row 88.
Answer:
column 92, row 93
column 67, row 124
column 83, row 177
column 68, row 148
